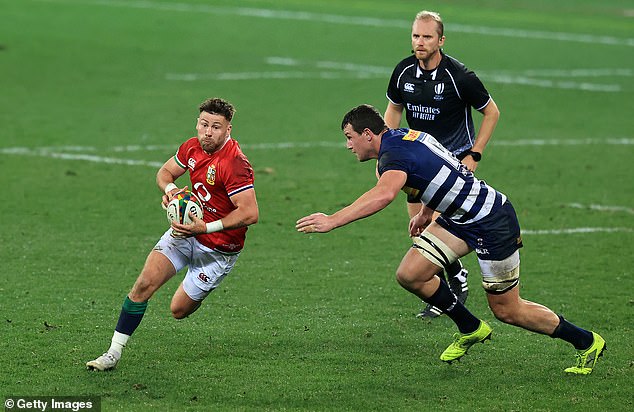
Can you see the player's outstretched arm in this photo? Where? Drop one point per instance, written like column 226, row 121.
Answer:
column 368, row 204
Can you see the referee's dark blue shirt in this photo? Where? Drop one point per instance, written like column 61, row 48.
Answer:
column 439, row 101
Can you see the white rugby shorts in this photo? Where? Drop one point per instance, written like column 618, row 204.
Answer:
column 206, row 267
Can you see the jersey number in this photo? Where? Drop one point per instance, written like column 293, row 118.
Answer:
column 202, row 192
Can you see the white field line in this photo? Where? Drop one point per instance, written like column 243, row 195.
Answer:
column 579, row 72
column 578, row 230
column 613, row 141
column 550, row 84
column 274, row 75
column 602, row 208
column 334, row 65
column 382, row 70
column 54, row 153
column 364, row 75
column 329, row 70
column 128, row 148
column 67, row 151
column 78, row 156
column 311, row 17
column 79, row 152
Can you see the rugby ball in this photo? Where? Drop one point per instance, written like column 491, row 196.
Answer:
column 181, row 205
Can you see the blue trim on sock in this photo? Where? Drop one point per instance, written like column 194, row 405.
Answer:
column 130, row 316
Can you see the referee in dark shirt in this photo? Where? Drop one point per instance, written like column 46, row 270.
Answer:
column 437, row 93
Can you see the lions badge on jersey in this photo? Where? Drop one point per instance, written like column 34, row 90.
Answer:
column 412, row 135
column 211, row 174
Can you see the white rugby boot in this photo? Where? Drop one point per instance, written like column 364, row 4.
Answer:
column 105, row 362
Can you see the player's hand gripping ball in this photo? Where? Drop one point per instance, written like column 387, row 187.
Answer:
column 181, row 205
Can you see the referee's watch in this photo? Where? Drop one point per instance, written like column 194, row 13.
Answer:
column 477, row 156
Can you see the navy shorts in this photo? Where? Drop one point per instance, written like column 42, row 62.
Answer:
column 494, row 237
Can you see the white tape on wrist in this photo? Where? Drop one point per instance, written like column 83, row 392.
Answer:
column 170, row 187
column 214, row 226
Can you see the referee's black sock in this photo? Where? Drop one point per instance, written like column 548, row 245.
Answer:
column 446, row 301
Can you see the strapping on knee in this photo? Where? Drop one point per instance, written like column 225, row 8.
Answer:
column 434, row 249
column 500, row 276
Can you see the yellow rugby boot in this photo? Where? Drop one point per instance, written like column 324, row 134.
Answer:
column 586, row 359
column 462, row 342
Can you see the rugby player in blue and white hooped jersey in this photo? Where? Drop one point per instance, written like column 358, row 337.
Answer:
column 473, row 216
column 437, row 93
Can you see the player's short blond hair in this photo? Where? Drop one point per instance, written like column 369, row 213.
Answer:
column 432, row 15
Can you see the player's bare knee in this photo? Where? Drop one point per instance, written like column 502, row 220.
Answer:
column 182, row 308
column 179, row 313
column 504, row 313
column 406, row 279
column 503, row 317
column 412, row 281
column 401, row 276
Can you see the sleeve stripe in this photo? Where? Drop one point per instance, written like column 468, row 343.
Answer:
column 484, row 105
column 392, row 101
column 398, row 81
column 241, row 189
column 454, row 84
column 179, row 163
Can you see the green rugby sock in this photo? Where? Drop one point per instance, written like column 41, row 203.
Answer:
column 129, row 319
column 130, row 316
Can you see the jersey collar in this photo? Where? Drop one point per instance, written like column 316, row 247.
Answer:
column 429, row 74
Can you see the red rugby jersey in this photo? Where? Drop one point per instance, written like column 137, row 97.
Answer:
column 214, row 179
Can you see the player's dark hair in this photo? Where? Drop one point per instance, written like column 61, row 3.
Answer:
column 364, row 116
column 218, row 106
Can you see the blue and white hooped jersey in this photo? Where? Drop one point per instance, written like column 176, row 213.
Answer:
column 436, row 177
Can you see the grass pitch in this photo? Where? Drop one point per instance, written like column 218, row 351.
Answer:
column 97, row 94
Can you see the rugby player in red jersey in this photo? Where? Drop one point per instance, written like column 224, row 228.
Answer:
column 222, row 178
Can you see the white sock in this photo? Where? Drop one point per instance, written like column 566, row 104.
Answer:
column 119, row 340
